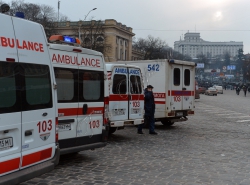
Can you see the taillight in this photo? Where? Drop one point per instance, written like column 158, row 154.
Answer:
column 57, row 128
column 105, row 111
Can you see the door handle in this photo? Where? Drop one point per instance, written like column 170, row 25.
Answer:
column 28, row 133
column 84, row 109
column 184, row 88
column 45, row 114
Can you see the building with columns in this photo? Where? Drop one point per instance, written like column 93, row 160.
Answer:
column 193, row 45
column 117, row 35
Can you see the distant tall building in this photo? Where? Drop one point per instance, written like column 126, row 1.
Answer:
column 193, row 45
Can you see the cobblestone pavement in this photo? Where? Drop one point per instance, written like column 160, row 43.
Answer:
column 212, row 147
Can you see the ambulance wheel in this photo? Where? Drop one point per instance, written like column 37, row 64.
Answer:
column 112, row 130
column 167, row 122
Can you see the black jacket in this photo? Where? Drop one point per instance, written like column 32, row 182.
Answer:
column 149, row 103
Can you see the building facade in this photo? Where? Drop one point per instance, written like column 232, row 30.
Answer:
column 193, row 45
column 116, row 35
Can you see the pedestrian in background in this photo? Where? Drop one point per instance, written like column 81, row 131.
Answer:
column 237, row 90
column 244, row 89
column 149, row 107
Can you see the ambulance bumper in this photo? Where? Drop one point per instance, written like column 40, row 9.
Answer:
column 133, row 122
column 31, row 172
column 116, row 123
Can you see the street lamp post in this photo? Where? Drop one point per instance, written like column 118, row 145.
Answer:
column 58, row 6
column 79, row 32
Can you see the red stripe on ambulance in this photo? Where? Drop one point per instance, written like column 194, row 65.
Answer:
column 78, row 111
column 36, row 157
column 180, row 93
column 10, row 165
column 118, row 97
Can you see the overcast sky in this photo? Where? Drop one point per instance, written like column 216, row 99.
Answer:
column 215, row 20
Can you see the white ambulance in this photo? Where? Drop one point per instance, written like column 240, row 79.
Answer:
column 174, row 89
column 81, row 76
column 28, row 102
column 126, row 97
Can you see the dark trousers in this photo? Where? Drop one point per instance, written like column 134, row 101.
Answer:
column 150, row 121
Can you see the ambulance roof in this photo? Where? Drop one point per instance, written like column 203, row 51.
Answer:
column 171, row 61
column 64, row 47
column 111, row 65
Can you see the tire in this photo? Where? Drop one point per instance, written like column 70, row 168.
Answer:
column 215, row 94
column 167, row 123
column 112, row 130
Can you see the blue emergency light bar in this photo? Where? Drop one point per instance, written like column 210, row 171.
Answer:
column 69, row 39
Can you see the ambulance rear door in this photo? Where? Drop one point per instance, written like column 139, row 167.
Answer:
column 66, row 74
column 118, row 98
column 176, row 84
column 188, row 87
column 38, row 96
column 136, row 95
column 91, row 99
column 10, row 100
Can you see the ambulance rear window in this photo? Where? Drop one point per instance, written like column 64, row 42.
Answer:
column 187, row 77
column 177, row 76
column 65, row 84
column 135, row 85
column 119, row 84
column 92, row 82
column 37, row 86
column 9, row 94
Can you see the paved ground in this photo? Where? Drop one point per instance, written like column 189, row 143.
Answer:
column 211, row 148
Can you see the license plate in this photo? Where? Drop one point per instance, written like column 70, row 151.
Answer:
column 6, row 143
column 179, row 113
column 136, row 111
column 118, row 112
column 64, row 127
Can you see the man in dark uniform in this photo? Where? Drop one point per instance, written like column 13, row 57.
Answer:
column 149, row 107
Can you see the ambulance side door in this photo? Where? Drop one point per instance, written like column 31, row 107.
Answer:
column 136, row 96
column 118, row 98
column 38, row 96
column 188, row 86
column 176, row 81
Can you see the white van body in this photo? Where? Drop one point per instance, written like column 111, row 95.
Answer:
column 28, row 106
column 126, row 97
column 80, row 76
column 219, row 89
column 174, row 87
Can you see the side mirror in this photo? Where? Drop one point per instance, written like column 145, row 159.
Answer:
column 5, row 8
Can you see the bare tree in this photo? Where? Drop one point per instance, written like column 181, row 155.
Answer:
column 153, row 48
column 92, row 36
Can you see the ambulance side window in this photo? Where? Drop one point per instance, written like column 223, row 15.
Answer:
column 187, row 77
column 119, row 84
column 37, row 86
column 135, row 85
column 177, row 76
column 91, row 86
column 9, row 88
column 67, row 85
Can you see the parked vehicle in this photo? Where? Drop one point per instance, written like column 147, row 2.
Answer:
column 81, row 95
column 126, row 96
column 28, row 102
column 219, row 89
column 174, row 87
column 211, row 91
column 202, row 90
